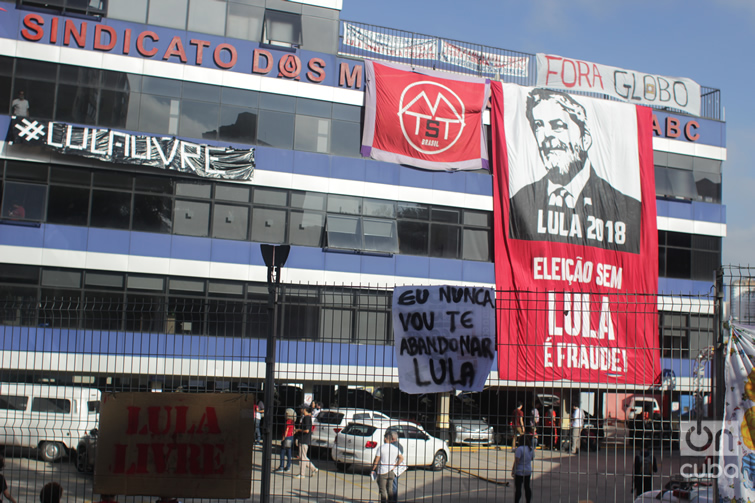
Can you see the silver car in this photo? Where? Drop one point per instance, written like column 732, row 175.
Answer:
column 467, row 430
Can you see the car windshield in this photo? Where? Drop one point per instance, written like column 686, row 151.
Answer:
column 359, row 430
column 329, row 417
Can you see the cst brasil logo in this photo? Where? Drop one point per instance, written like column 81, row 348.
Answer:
column 431, row 116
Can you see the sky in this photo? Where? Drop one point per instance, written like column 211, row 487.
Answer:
column 708, row 41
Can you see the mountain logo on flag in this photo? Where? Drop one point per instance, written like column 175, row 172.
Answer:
column 431, row 116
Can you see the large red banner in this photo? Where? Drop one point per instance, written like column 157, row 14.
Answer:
column 424, row 120
column 576, row 238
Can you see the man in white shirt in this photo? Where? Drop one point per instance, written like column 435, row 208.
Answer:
column 577, row 422
column 387, row 459
column 20, row 106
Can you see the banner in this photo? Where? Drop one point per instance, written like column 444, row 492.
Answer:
column 576, row 239
column 736, row 442
column 175, row 445
column 444, row 337
column 639, row 88
column 120, row 147
column 484, row 62
column 424, row 119
column 392, row 46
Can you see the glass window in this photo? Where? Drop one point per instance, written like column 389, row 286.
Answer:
column 207, row 16
column 61, row 278
column 240, row 97
column 680, row 239
column 277, row 102
column 119, row 109
column 191, row 218
column 379, row 208
column 162, row 87
column 186, row 285
column 662, row 183
column 157, row 184
column 335, row 325
column 198, row 120
column 68, row 205
column 308, row 200
column 270, row 197
column 372, row 327
column 414, row 211
column 76, row 104
column 448, row 215
column 682, row 183
column 113, row 180
column 226, row 288
column 170, row 13
column 704, row 265
column 344, row 204
column 12, row 273
column 444, row 241
column 231, row 192
column 200, row 92
column 40, row 95
column 276, row 129
column 680, row 161
column 73, row 176
column 79, row 75
column 145, row 314
column 128, row 10
column 121, row 81
column 345, row 139
column 8, row 402
column 350, row 113
column 152, row 213
column 380, row 235
column 36, row 70
column 158, row 114
column 24, row 201
column 708, row 186
column 344, row 232
column 413, row 237
column 282, row 27
column 306, row 228
column 230, row 222
column 678, row 263
column 238, row 125
column 110, row 209
column 315, row 108
column 476, row 245
column 104, row 280
column 312, row 134
column 477, row 218
column 51, row 405
column 194, row 189
column 244, row 22
column 701, row 242
column 268, row 225
column 320, row 35
column 146, row 283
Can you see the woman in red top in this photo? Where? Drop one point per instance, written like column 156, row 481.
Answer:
column 288, row 442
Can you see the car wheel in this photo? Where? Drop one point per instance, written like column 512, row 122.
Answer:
column 439, row 461
column 51, row 451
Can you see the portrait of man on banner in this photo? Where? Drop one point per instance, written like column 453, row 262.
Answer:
column 577, row 187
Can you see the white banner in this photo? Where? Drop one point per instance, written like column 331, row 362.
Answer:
column 556, row 72
column 444, row 337
column 485, row 62
column 393, row 46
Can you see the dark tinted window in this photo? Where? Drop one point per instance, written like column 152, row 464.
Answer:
column 359, row 430
column 329, row 417
column 276, row 129
column 111, row 209
column 444, row 241
column 24, row 201
column 68, row 205
column 413, row 237
column 8, row 402
column 152, row 213
column 238, row 125
column 53, row 405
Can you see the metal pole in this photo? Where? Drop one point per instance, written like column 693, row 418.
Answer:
column 273, row 280
column 718, row 389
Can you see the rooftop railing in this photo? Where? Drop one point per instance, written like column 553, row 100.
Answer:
column 362, row 40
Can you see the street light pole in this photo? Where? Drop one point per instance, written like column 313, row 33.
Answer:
column 275, row 257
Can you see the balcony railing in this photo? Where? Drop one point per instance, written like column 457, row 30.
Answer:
column 379, row 43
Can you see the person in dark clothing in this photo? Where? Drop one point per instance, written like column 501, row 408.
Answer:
column 4, row 488
column 305, row 439
column 645, row 465
column 522, row 469
column 52, row 492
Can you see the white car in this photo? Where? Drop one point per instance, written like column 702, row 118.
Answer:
column 358, row 442
column 699, row 491
column 329, row 422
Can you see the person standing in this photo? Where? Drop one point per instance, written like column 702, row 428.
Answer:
column 4, row 488
column 401, row 467
column 522, row 469
column 305, row 438
column 550, row 428
column 645, row 465
column 518, row 424
column 316, row 408
column 287, row 444
column 20, row 106
column 258, row 408
column 535, row 423
column 576, row 424
column 387, row 460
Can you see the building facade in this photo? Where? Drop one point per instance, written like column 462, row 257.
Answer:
column 125, row 274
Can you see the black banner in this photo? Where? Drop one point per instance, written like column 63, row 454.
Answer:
column 120, row 147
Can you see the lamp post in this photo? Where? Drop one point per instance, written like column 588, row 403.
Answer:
column 274, row 257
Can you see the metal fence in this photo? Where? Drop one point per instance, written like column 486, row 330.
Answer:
column 438, row 53
column 335, row 345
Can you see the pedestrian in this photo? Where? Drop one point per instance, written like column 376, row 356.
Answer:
column 4, row 488
column 287, row 444
column 316, row 408
column 402, row 467
column 535, row 415
column 522, row 469
column 258, row 408
column 52, row 492
column 305, row 438
column 577, row 421
column 387, row 459
column 550, row 428
column 645, row 465
column 518, row 424
column 20, row 106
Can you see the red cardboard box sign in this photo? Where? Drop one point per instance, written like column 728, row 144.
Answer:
column 175, row 445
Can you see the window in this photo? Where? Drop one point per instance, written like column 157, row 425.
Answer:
column 344, row 232
column 192, row 218
column 128, row 10
column 168, row 13
column 24, row 201
column 67, row 205
column 306, row 228
column 230, row 222
column 282, row 28
column 312, row 134
column 152, row 213
column 88, row 7
column 413, row 237
column 380, row 235
column 238, row 125
column 688, row 256
column 205, row 16
column 268, row 225
column 444, row 240
column 276, row 129
column 229, row 192
column 9, row 402
column 198, row 120
column 51, row 405
column 244, row 21
column 111, row 209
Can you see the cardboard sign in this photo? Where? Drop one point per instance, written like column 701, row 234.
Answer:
column 175, row 445
column 444, row 337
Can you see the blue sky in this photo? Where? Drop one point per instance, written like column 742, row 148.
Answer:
column 709, row 41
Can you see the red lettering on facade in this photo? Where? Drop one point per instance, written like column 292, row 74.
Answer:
column 175, row 48
column 672, row 128
column 201, row 45
column 688, row 128
column 317, row 70
column 127, row 41
column 656, row 127
column 33, row 30
column 54, row 31
column 219, row 61
column 256, row 68
column 350, row 79
column 79, row 36
column 112, row 37
column 289, row 66
column 140, row 43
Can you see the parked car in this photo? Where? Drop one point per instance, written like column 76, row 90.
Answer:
column 642, row 408
column 681, row 489
column 468, row 430
column 356, row 445
column 330, row 422
column 592, row 437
